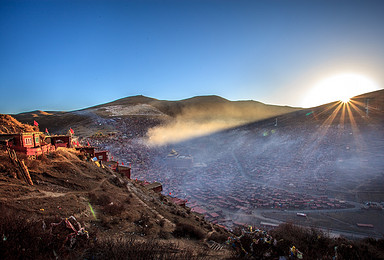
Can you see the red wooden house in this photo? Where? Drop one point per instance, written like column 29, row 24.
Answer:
column 124, row 171
column 156, row 187
column 87, row 150
column 101, row 155
column 112, row 164
column 61, row 141
column 29, row 143
column 177, row 201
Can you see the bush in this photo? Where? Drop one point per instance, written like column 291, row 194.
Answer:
column 144, row 224
column 164, row 235
column 188, row 231
column 317, row 245
column 26, row 237
column 131, row 248
column 113, row 209
column 116, row 181
column 101, row 199
column 217, row 237
column 161, row 222
column 82, row 157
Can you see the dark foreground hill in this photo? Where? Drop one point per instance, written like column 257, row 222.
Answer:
column 76, row 208
column 114, row 211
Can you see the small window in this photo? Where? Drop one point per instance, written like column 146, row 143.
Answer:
column 37, row 140
column 28, row 141
column 100, row 157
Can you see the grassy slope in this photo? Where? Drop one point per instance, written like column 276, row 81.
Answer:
column 67, row 186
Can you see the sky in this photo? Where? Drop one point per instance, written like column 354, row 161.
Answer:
column 67, row 55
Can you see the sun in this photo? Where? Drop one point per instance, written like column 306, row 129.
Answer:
column 340, row 87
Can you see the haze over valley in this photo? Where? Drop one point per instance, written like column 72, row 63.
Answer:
column 246, row 162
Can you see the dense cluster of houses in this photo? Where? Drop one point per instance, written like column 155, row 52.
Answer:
column 241, row 179
column 222, row 185
column 176, row 160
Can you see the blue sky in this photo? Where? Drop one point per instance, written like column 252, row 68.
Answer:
column 66, row 55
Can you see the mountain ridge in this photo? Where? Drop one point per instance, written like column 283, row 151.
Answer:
column 163, row 111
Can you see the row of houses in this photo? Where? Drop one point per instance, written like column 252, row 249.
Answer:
column 36, row 143
column 29, row 143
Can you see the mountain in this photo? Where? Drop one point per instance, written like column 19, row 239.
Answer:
column 150, row 112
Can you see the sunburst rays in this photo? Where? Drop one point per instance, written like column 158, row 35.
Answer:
column 340, row 115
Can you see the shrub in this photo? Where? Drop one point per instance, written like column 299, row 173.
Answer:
column 113, row 209
column 144, row 224
column 188, row 231
column 101, row 199
column 217, row 237
column 317, row 245
column 115, row 181
column 131, row 248
column 26, row 237
column 164, row 235
column 82, row 157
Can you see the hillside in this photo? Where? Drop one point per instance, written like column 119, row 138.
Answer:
column 123, row 220
column 8, row 125
column 106, row 205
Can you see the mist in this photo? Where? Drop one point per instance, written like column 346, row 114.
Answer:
column 204, row 120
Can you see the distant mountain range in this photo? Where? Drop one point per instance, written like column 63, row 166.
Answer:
column 149, row 112
column 161, row 111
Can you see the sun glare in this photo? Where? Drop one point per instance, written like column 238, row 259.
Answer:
column 338, row 88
